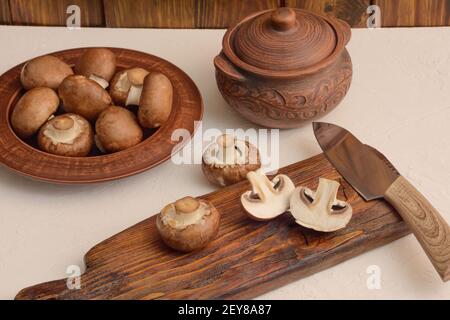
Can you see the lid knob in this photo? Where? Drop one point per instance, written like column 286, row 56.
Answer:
column 283, row 19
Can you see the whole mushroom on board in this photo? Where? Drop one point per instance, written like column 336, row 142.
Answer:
column 98, row 64
column 32, row 110
column 267, row 199
column 67, row 135
column 126, row 86
column 320, row 210
column 188, row 224
column 84, row 97
column 46, row 71
column 117, row 129
column 228, row 160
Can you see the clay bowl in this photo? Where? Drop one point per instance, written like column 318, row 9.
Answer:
column 23, row 156
column 279, row 68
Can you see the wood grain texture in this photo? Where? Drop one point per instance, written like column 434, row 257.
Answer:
column 24, row 158
column 351, row 11
column 225, row 13
column 53, row 12
column 408, row 13
column 150, row 13
column 427, row 224
column 5, row 12
column 247, row 258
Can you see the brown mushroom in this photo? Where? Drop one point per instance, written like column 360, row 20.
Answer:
column 98, row 64
column 126, row 86
column 117, row 129
column 155, row 103
column 320, row 210
column 83, row 96
column 66, row 135
column 32, row 110
column 228, row 160
column 46, row 71
column 188, row 224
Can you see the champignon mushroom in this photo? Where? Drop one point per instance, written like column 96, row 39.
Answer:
column 188, row 224
column 228, row 160
column 320, row 210
column 46, row 71
column 98, row 64
column 117, row 129
column 83, row 96
column 126, row 86
column 66, row 135
column 267, row 199
column 32, row 110
column 155, row 103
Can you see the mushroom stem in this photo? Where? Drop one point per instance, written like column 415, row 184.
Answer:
column 227, row 149
column 100, row 81
column 134, row 96
column 326, row 193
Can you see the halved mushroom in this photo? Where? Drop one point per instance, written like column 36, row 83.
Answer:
column 320, row 210
column 126, row 86
column 155, row 103
column 46, row 71
column 32, row 110
column 117, row 129
column 228, row 160
column 98, row 64
column 66, row 135
column 267, row 199
column 188, row 224
column 84, row 97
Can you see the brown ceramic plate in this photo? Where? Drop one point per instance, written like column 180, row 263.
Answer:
column 24, row 158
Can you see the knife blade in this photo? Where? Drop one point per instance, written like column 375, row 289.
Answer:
column 373, row 176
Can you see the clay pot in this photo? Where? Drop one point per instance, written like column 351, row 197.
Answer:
column 279, row 68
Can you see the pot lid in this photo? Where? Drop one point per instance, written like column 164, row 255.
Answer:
column 284, row 39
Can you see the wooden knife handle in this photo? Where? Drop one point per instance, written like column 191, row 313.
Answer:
column 426, row 223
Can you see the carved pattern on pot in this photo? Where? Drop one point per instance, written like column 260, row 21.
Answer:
column 304, row 104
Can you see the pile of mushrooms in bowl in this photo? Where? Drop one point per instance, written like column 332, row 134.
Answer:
column 89, row 109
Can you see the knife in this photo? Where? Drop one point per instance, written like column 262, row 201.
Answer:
column 374, row 177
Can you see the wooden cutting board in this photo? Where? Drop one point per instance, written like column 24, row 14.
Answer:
column 248, row 258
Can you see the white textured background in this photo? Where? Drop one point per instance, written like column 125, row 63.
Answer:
column 399, row 102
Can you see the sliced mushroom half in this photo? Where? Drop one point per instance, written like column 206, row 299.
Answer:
column 188, row 224
column 267, row 199
column 320, row 210
column 228, row 160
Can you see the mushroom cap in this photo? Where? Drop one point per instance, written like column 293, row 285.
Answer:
column 320, row 210
column 117, row 129
column 67, row 135
column 46, row 71
column 155, row 104
column 83, row 96
column 225, row 175
column 228, row 160
column 201, row 227
column 122, row 83
column 267, row 199
column 32, row 110
column 100, row 62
